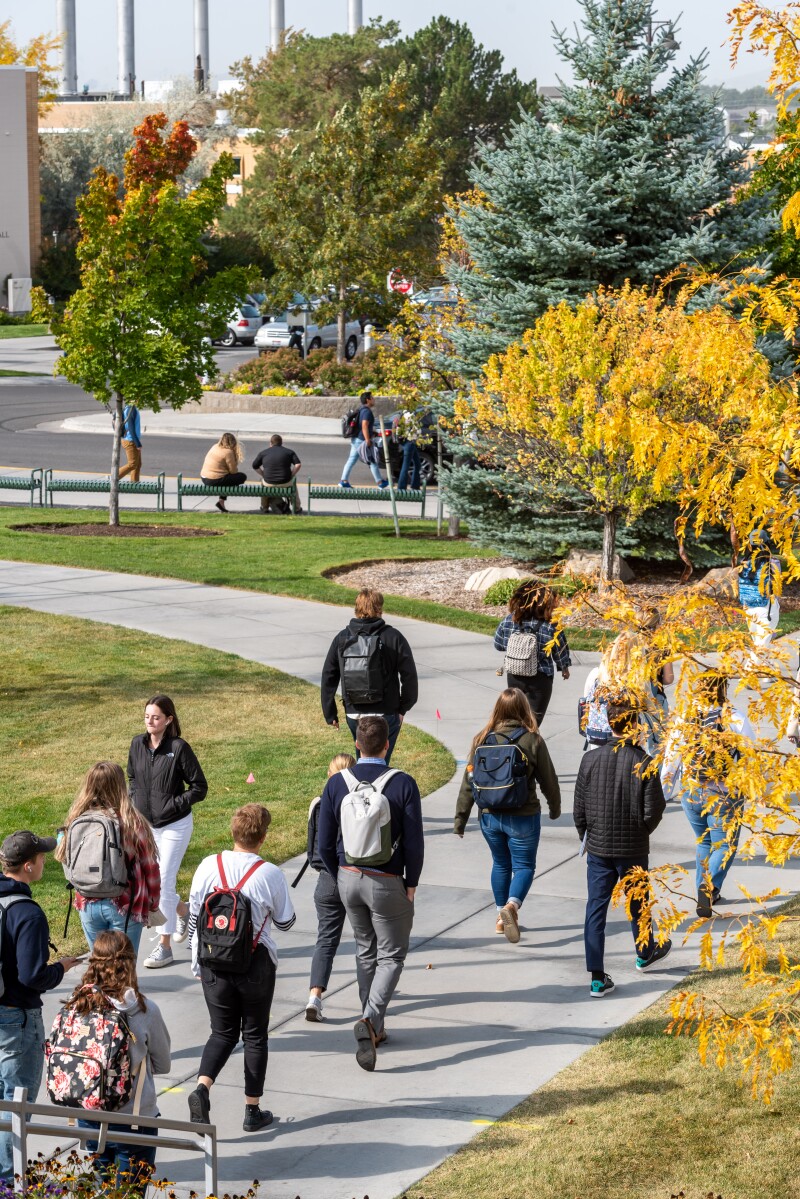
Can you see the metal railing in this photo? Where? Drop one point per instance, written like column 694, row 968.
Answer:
column 58, row 1123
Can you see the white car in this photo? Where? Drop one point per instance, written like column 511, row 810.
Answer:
column 287, row 333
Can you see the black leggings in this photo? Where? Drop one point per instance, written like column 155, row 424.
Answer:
column 239, row 1004
column 226, row 481
column 538, row 689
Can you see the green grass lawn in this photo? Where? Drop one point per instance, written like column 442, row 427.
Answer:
column 73, row 692
column 638, row 1117
column 23, row 331
column 282, row 556
column 19, row 374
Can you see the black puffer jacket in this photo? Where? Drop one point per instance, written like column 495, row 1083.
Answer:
column 399, row 670
column 615, row 804
column 164, row 784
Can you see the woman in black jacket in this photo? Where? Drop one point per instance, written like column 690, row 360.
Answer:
column 165, row 781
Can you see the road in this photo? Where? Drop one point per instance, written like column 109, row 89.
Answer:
column 32, row 408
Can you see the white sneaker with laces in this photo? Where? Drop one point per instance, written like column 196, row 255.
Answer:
column 160, row 956
column 181, row 929
column 314, row 1009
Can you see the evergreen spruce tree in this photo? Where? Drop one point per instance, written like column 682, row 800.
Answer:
column 625, row 176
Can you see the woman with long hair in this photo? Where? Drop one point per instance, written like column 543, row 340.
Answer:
column 528, row 629
column 110, row 985
column 628, row 664
column 512, row 834
column 165, row 781
column 220, row 466
column 104, row 792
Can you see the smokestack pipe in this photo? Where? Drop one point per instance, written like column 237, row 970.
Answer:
column 126, row 70
column 355, row 16
column 65, row 27
column 201, row 41
column 277, row 23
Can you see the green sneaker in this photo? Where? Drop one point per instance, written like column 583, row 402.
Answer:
column 601, row 986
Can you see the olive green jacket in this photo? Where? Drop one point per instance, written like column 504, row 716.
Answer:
column 540, row 770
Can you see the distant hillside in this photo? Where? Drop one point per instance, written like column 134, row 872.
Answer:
column 730, row 97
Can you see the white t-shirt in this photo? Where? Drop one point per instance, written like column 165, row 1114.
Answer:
column 267, row 891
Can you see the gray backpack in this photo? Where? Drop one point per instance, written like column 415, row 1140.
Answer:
column 6, row 903
column 94, row 864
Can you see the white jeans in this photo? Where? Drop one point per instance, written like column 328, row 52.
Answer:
column 171, row 843
column 762, row 622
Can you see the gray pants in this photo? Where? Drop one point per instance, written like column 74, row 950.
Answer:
column 381, row 916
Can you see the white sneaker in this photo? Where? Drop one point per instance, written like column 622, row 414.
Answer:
column 314, row 1009
column 160, row 956
column 181, row 929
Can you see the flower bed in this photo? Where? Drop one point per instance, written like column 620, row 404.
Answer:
column 284, row 372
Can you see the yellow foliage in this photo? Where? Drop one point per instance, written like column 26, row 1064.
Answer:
column 37, row 53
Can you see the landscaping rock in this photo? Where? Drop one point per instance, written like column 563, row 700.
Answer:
column 722, row 581
column 482, row 580
column 587, row 562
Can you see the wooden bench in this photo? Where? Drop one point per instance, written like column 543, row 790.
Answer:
column 31, row 483
column 328, row 492
column 126, row 487
column 274, row 491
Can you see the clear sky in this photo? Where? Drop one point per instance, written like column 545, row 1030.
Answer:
column 520, row 29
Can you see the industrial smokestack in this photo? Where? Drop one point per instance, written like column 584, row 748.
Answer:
column 201, row 43
column 126, row 70
column 65, row 27
column 355, row 16
column 277, row 23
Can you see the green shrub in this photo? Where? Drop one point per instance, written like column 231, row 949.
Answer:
column 40, row 308
column 501, row 591
column 10, row 318
column 285, row 368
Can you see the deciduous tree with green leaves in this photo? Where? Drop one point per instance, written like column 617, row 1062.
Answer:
column 137, row 327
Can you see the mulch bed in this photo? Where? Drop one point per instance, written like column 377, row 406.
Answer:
column 103, row 530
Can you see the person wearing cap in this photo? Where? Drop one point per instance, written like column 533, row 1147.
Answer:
column 27, row 972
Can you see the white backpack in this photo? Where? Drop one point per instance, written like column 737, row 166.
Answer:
column 365, row 819
column 522, row 655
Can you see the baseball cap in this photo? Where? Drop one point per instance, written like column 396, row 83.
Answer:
column 19, row 848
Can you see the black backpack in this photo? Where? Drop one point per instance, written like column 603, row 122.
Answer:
column 6, row 903
column 361, row 669
column 499, row 774
column 350, row 423
column 225, row 939
column 710, row 770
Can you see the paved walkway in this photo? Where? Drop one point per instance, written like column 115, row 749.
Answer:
column 477, row 1024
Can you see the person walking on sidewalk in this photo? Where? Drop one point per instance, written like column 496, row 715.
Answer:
column 523, row 635
column 26, row 972
column 507, row 759
column 220, row 466
column 103, row 807
column 165, row 781
column 407, row 429
column 364, row 437
column 617, row 805
column 330, row 909
column 371, row 842
column 376, row 669
column 131, row 442
column 277, row 465
column 235, row 896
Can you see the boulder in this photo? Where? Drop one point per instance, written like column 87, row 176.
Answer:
column 587, row 562
column 482, row 580
column 722, row 581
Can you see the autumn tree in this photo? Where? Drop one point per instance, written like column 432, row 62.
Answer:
column 137, row 327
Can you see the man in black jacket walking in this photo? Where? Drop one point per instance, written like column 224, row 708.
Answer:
column 376, row 669
column 616, row 808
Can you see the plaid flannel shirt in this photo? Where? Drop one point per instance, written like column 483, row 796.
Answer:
column 145, row 881
column 549, row 660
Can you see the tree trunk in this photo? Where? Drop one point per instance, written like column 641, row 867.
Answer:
column 453, row 525
column 341, row 323
column 113, row 495
column 609, row 543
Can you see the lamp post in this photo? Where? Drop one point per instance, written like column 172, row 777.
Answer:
column 668, row 41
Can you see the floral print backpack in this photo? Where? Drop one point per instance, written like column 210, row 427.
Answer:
column 89, row 1061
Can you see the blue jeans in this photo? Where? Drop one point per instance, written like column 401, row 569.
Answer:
column 513, row 841
column 128, row 1159
column 21, row 1065
column 714, row 844
column 101, row 916
column 394, row 732
column 411, row 465
column 355, row 445
column 602, row 875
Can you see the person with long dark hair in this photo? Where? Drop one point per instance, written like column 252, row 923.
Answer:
column 512, row 834
column 165, row 781
column 524, row 635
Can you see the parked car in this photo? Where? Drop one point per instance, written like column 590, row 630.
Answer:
column 243, row 325
column 286, row 332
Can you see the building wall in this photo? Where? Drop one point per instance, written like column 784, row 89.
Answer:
column 19, row 173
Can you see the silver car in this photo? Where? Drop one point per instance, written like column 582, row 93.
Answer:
column 243, row 325
column 286, row 332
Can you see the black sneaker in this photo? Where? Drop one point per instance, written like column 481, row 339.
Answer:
column 658, row 954
column 255, row 1118
column 704, row 901
column 601, row 986
column 200, row 1105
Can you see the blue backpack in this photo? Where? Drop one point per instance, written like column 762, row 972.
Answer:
column 499, row 775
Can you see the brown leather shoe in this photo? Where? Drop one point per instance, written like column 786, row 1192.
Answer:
column 366, row 1043
column 510, row 920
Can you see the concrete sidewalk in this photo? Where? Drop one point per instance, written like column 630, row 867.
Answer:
column 190, row 423
column 477, row 1024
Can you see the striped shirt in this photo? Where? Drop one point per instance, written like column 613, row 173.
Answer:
column 548, row 660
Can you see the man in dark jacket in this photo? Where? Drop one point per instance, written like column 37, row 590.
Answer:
column 376, row 669
column 616, row 808
column 379, row 899
column 277, row 465
column 27, row 973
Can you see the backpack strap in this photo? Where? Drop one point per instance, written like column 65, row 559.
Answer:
column 350, row 779
column 248, row 874
column 381, row 782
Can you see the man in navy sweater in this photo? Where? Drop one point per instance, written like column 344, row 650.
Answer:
column 379, row 899
column 25, row 954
